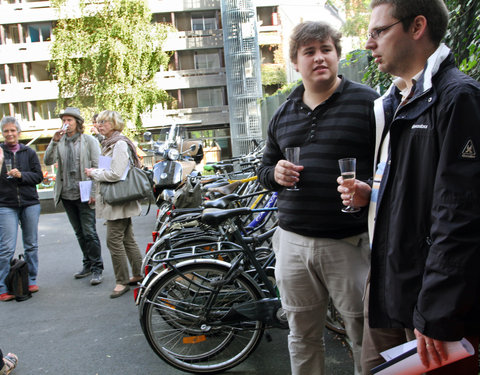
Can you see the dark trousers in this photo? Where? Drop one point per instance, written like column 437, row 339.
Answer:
column 82, row 218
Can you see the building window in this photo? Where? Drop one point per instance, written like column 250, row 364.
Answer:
column 207, row 60
column 13, row 36
column 40, row 32
column 3, row 76
column 4, row 110
column 210, row 97
column 21, row 111
column 17, row 74
column 45, row 110
column 204, row 21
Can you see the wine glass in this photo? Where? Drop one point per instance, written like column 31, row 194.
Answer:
column 293, row 156
column 8, row 165
column 348, row 171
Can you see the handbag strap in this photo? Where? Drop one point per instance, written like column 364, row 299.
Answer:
column 132, row 165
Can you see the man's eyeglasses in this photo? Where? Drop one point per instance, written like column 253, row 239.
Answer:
column 376, row 33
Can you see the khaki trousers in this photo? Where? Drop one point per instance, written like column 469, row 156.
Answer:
column 308, row 270
column 123, row 249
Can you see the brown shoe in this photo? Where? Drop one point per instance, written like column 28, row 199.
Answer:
column 118, row 293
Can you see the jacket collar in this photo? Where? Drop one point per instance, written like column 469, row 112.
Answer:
column 432, row 66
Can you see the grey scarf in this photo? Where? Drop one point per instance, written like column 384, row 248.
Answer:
column 70, row 166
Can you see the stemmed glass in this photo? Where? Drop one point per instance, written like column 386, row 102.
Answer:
column 348, row 171
column 8, row 165
column 293, row 156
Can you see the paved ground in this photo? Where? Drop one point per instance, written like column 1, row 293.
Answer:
column 72, row 328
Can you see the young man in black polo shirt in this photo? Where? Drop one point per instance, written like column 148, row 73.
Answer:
column 320, row 251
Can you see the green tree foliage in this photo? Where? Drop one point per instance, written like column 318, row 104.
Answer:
column 273, row 74
column 107, row 57
column 357, row 13
column 463, row 38
column 463, row 35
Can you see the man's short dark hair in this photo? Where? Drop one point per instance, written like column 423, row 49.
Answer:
column 309, row 31
column 435, row 11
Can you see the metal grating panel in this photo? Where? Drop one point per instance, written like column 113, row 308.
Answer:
column 242, row 63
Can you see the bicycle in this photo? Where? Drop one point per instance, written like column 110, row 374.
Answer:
column 202, row 314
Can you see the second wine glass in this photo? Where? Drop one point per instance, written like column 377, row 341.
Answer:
column 348, row 172
column 293, row 156
column 8, row 166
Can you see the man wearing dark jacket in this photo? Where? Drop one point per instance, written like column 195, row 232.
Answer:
column 321, row 252
column 425, row 199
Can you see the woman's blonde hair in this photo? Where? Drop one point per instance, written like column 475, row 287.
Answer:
column 114, row 117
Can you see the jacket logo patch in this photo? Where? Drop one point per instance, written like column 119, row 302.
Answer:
column 419, row 126
column 469, row 151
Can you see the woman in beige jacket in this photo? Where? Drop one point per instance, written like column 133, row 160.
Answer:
column 120, row 239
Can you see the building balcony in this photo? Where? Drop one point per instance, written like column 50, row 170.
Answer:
column 269, row 35
column 164, row 6
column 24, row 52
column 38, row 11
column 201, row 116
column 193, row 78
column 39, row 128
column 28, row 91
column 184, row 40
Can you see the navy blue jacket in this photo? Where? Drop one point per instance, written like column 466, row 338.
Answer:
column 426, row 244
column 21, row 192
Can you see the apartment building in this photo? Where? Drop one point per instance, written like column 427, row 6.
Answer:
column 195, row 78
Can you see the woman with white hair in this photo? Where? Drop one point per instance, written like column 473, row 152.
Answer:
column 19, row 203
column 120, row 239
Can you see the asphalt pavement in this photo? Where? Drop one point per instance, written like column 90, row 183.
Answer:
column 72, row 328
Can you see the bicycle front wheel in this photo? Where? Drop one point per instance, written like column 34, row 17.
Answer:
column 180, row 319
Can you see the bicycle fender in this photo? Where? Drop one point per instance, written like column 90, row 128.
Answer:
column 150, row 283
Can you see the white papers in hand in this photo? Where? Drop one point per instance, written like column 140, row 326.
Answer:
column 85, row 190
column 406, row 360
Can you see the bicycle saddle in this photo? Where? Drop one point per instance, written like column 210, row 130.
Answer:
column 226, row 189
column 221, row 203
column 215, row 217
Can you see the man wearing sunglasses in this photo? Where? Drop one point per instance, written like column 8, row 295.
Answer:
column 425, row 199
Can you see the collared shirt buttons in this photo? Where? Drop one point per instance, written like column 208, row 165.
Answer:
column 430, row 99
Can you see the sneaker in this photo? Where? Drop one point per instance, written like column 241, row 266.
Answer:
column 6, row 297
column 33, row 288
column 83, row 273
column 96, row 278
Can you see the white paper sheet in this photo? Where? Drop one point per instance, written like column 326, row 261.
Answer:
column 85, row 190
column 411, row 365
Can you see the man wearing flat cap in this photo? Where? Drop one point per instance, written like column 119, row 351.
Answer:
column 74, row 151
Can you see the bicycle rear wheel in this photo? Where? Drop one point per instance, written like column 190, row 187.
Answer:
column 184, row 332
